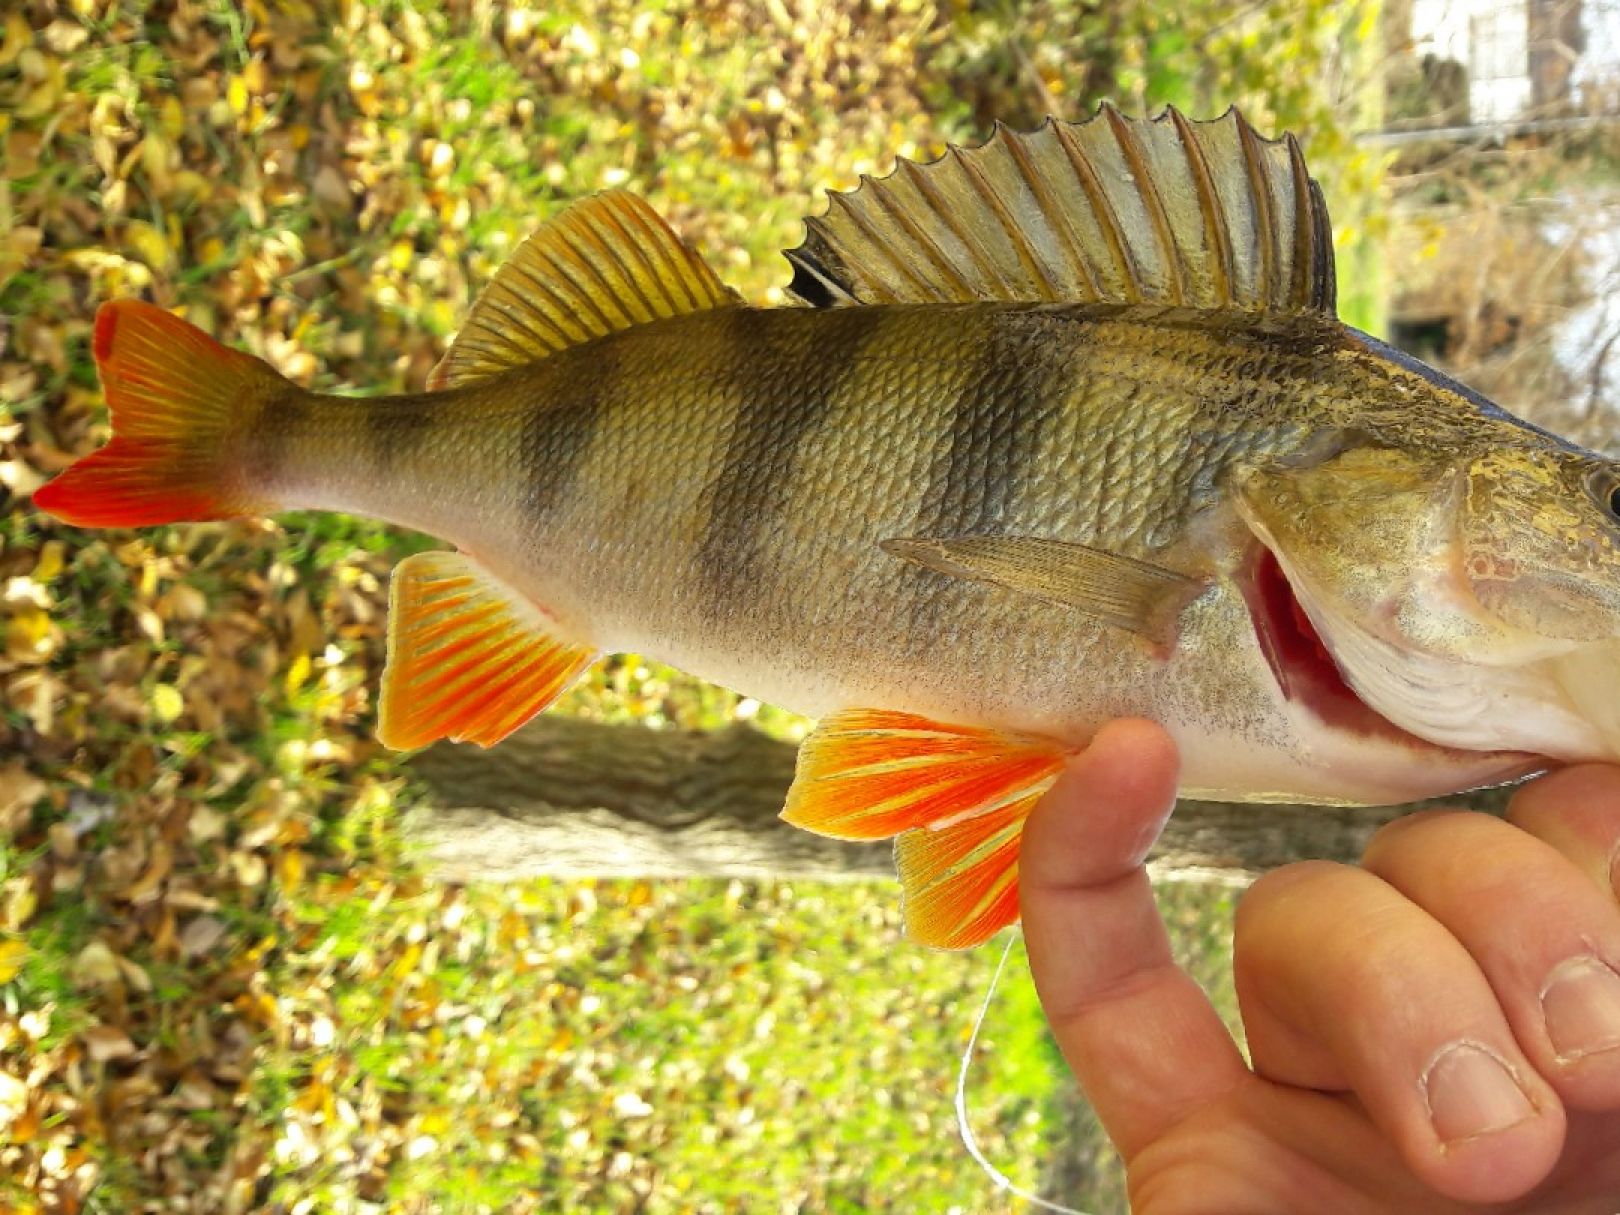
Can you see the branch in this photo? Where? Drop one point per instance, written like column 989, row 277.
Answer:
column 571, row 798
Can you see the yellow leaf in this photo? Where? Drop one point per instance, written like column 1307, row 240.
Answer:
column 297, row 673
column 407, row 961
column 30, row 636
column 19, row 35
column 49, row 564
column 40, row 101
column 12, row 956
column 167, row 703
column 172, row 117
column 148, row 243
column 290, row 867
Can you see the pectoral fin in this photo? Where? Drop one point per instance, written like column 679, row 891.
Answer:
column 469, row 659
column 1124, row 591
column 956, row 796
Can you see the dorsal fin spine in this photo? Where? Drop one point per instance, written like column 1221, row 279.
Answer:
column 876, row 238
column 1026, row 256
column 1266, row 205
column 1125, row 136
column 1086, row 174
column 1327, row 286
column 919, row 182
column 1056, row 217
column 1166, row 211
column 1215, row 230
column 976, row 182
column 1304, row 232
column 916, row 233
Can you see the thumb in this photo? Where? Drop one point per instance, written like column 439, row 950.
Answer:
column 1139, row 1034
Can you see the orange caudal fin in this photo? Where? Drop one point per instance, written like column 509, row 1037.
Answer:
column 469, row 659
column 957, row 797
column 177, row 398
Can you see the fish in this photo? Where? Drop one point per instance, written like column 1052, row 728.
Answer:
column 1057, row 429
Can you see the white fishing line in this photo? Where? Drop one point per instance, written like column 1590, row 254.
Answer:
column 1003, row 1182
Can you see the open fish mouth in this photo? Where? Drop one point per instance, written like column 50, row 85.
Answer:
column 1301, row 662
column 1560, row 706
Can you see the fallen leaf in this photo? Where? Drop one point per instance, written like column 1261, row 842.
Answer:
column 106, row 1044
column 96, row 965
column 19, row 790
column 201, row 934
column 12, row 956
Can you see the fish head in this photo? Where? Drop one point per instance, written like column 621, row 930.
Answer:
column 1469, row 598
column 1539, row 541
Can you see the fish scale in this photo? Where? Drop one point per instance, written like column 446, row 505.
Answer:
column 1066, row 431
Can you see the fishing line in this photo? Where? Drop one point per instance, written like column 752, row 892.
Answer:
column 1003, row 1182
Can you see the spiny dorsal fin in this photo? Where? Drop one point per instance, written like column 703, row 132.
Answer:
column 606, row 263
column 1115, row 210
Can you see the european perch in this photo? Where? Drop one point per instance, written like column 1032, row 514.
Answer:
column 1067, row 429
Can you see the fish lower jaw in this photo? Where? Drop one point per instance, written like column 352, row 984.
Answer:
column 1316, row 677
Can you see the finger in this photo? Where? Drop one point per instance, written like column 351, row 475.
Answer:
column 1547, row 939
column 1139, row 1034
column 1577, row 811
column 1344, row 983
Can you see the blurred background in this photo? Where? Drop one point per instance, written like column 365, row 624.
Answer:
column 229, row 979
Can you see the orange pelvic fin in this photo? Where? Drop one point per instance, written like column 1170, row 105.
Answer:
column 469, row 659
column 956, row 796
column 177, row 399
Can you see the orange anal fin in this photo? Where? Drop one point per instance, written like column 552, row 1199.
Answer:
column 957, row 797
column 469, row 659
column 961, row 882
column 870, row 774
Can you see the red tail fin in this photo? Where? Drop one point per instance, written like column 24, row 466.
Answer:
column 178, row 400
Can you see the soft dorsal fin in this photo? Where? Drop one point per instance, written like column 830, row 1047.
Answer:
column 1114, row 210
column 606, row 263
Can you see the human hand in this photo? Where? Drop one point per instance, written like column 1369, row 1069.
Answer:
column 1436, row 1029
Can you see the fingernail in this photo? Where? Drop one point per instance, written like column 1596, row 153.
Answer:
column 1470, row 1092
column 1581, row 1004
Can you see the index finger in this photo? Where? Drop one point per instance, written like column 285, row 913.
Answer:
column 1140, row 1036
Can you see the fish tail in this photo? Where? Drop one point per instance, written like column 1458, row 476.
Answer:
column 181, row 406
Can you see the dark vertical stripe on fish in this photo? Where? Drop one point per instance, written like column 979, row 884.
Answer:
column 997, row 422
column 750, row 490
column 395, row 426
column 557, row 431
